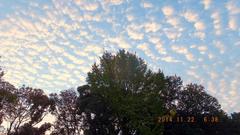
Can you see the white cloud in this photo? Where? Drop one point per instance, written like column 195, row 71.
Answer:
column 216, row 22
column 135, row 35
column 190, row 16
column 154, row 39
column 206, row 3
column 213, row 75
column 115, row 2
column 169, row 59
column 220, row 46
column 120, row 41
column 174, row 21
column 179, row 49
column 232, row 23
column 167, row 10
column 183, row 50
column 160, row 48
column 200, row 35
column 90, row 6
column 158, row 44
column 147, row 5
column 130, row 18
column 193, row 73
column 211, row 87
column 193, row 17
column 189, row 57
column 202, row 49
column 145, row 48
column 93, row 48
column 199, row 26
column 152, row 27
column 74, row 59
column 172, row 34
column 232, row 7
column 47, row 77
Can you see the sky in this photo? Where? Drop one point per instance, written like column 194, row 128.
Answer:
column 51, row 44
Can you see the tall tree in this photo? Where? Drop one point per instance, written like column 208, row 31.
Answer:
column 68, row 122
column 128, row 93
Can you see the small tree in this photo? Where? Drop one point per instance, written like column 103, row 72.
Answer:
column 68, row 122
column 7, row 95
column 31, row 106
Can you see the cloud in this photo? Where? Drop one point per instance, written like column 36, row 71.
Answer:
column 115, row 2
column 147, row 5
column 233, row 7
column 191, row 16
column 211, row 87
column 220, row 46
column 232, row 23
column 90, row 6
column 213, row 75
column 158, row 44
column 130, row 18
column 145, row 48
column 47, row 77
column 216, row 22
column 93, row 48
column 207, row 4
column 174, row 21
column 134, row 34
column 199, row 26
column 121, row 42
column 167, row 10
column 152, row 27
column 172, row 34
column 200, row 35
column 183, row 50
column 193, row 74
column 179, row 49
column 202, row 49
column 169, row 59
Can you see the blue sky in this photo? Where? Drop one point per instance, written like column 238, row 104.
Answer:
column 52, row 44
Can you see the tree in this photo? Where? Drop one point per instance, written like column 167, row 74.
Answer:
column 28, row 129
column 194, row 101
column 6, row 95
column 171, row 93
column 68, row 122
column 126, row 94
column 31, row 106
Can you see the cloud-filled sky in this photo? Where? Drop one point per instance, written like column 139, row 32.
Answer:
column 51, row 44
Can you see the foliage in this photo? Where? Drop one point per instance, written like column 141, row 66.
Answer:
column 126, row 94
column 31, row 106
column 68, row 122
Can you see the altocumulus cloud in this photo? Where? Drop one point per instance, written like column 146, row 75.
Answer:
column 52, row 44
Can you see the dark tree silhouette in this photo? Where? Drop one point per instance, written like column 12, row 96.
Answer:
column 28, row 129
column 193, row 101
column 68, row 122
column 6, row 95
column 31, row 106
